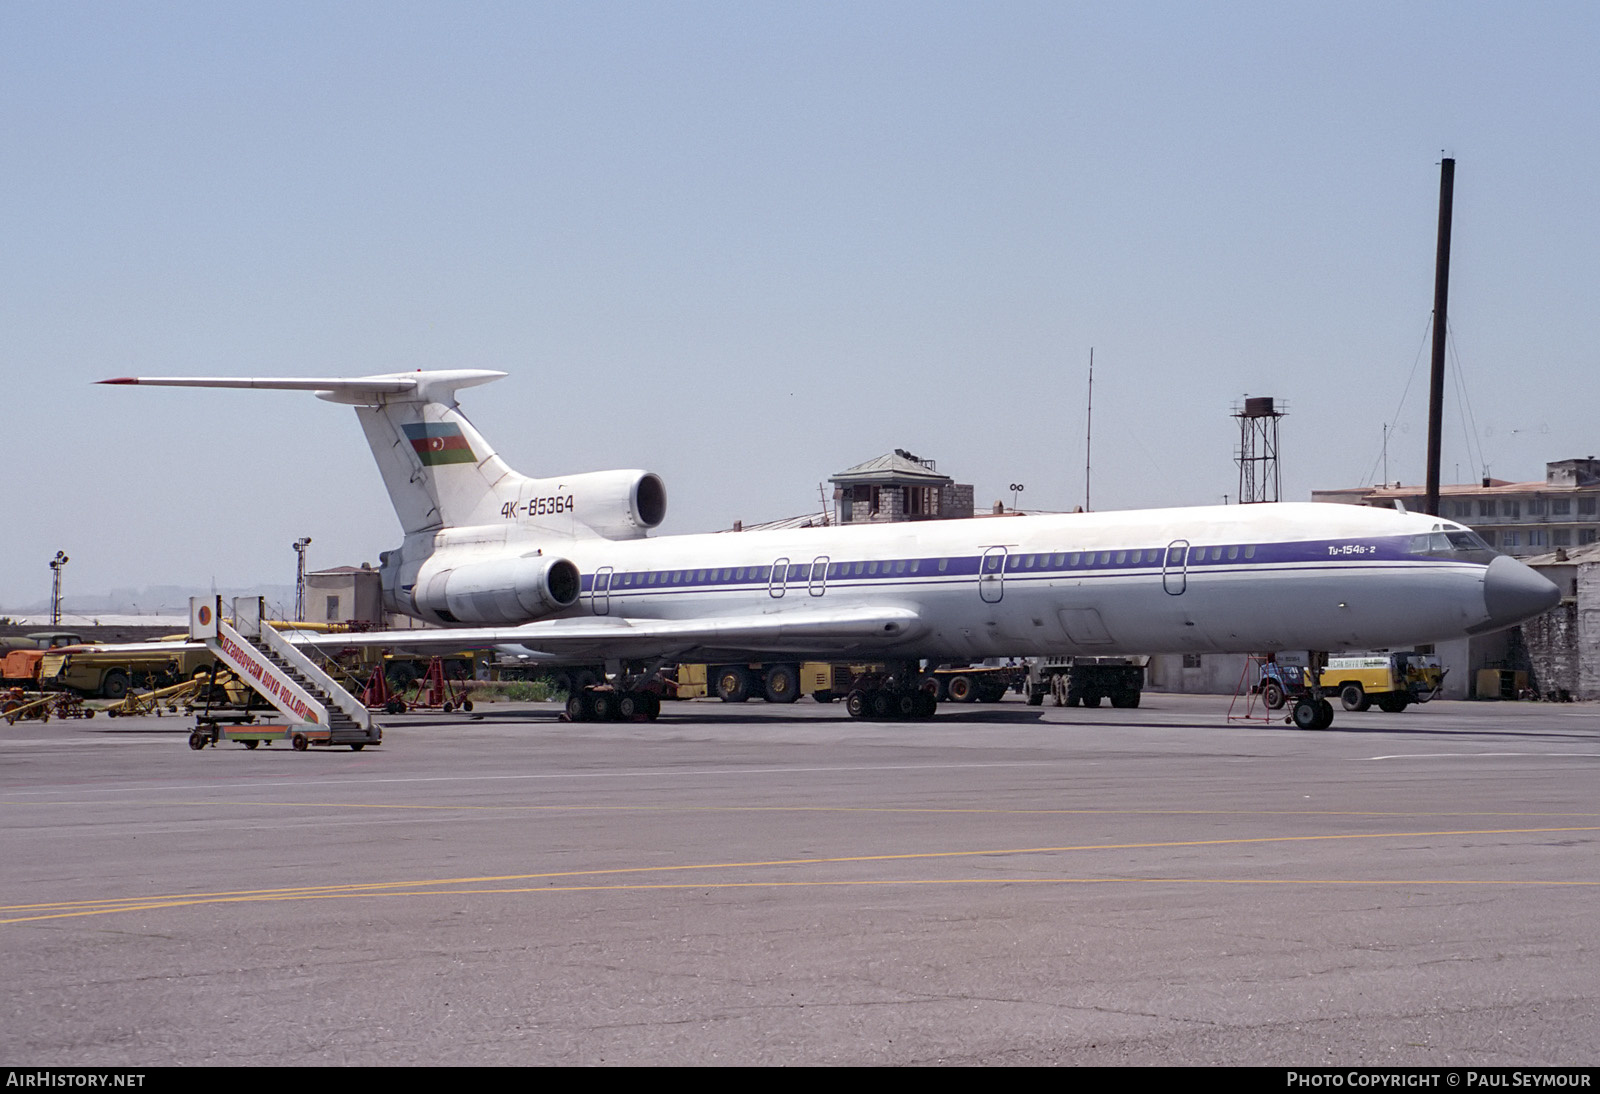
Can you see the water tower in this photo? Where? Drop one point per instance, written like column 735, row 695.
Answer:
column 1258, row 449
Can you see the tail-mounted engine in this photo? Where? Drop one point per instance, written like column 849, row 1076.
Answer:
column 618, row 504
column 503, row 590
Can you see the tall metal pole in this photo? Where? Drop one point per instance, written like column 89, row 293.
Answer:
column 57, row 564
column 1088, row 433
column 300, row 546
column 1441, row 299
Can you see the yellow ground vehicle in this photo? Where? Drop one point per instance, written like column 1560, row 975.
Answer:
column 106, row 675
column 777, row 682
column 1391, row 680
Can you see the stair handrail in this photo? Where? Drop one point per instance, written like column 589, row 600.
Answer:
column 313, row 672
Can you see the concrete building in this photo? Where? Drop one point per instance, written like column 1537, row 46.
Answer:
column 1515, row 518
column 1562, row 647
column 345, row 594
column 898, row 486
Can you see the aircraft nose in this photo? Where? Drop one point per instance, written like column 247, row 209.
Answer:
column 1512, row 592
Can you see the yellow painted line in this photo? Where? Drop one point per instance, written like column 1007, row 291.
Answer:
column 824, row 809
column 102, row 906
column 707, row 886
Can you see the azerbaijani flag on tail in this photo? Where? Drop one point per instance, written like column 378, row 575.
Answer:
column 439, row 442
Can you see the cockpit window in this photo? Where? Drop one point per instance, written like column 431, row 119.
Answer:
column 1454, row 542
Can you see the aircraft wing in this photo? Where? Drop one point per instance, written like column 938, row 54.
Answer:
column 794, row 630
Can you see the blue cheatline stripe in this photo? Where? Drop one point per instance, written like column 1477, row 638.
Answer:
column 1301, row 556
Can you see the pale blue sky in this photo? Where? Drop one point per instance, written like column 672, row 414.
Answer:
column 748, row 245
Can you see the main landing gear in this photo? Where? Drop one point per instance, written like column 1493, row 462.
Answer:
column 895, row 697
column 1309, row 713
column 607, row 704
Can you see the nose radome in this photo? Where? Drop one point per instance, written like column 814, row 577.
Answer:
column 1512, row 592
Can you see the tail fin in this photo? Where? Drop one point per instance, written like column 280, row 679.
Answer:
column 439, row 470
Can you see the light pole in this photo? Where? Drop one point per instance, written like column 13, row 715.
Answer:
column 57, row 564
column 300, row 546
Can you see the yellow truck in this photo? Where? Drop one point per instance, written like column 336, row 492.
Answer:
column 104, row 674
column 1393, row 681
column 777, row 682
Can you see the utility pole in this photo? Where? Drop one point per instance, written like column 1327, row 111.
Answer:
column 1088, row 433
column 57, row 564
column 300, row 546
column 1441, row 300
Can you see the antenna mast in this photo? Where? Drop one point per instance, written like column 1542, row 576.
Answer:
column 1088, row 433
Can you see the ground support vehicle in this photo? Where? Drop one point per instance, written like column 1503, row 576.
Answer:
column 974, row 683
column 17, row 705
column 42, row 640
column 215, row 730
column 869, row 690
column 1086, row 680
column 436, row 690
column 776, row 681
column 106, row 675
column 136, row 702
column 1392, row 681
column 20, row 668
column 314, row 705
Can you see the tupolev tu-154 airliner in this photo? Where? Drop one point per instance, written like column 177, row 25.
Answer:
column 565, row 568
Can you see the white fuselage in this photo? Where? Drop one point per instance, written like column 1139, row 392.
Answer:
column 1230, row 578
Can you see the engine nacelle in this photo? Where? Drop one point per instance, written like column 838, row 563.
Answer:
column 618, row 504
column 501, row 590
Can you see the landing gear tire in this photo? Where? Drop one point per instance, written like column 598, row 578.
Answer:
column 605, row 706
column 880, row 704
column 1091, row 699
column 822, row 696
column 1313, row 714
column 580, row 707
column 1354, row 697
column 855, row 704
column 1126, row 699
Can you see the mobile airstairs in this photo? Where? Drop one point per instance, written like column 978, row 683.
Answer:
column 316, row 709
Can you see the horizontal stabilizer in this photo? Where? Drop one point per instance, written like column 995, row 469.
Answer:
column 420, row 386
